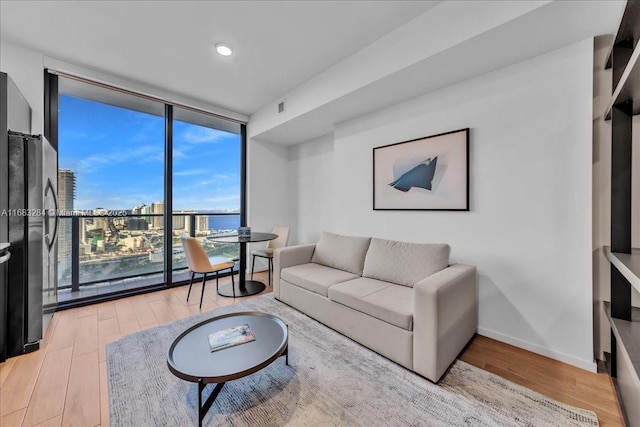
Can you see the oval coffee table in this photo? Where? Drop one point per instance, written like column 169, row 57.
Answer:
column 190, row 357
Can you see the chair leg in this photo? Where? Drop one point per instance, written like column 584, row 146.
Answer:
column 233, row 283
column 204, row 281
column 253, row 262
column 190, row 284
column 216, row 280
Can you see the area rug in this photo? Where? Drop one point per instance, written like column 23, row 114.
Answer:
column 330, row 381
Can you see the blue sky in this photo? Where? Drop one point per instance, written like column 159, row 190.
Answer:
column 118, row 158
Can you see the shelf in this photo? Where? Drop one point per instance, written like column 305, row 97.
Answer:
column 627, row 334
column 628, row 88
column 627, row 264
column 628, row 29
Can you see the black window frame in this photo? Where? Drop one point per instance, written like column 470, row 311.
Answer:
column 51, row 117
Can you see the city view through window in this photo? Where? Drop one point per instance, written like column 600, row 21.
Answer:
column 111, row 184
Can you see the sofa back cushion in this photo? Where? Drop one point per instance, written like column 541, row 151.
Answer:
column 404, row 263
column 342, row 252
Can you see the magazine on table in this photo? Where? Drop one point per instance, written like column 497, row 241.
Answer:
column 230, row 337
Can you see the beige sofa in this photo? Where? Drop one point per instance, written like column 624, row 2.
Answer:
column 402, row 300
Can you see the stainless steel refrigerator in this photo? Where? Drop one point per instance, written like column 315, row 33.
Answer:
column 29, row 215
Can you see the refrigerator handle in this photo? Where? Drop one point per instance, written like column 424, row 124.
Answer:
column 51, row 241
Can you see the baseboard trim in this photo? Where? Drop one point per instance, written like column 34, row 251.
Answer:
column 590, row 366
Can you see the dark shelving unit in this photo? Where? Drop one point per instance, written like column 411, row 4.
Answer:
column 625, row 260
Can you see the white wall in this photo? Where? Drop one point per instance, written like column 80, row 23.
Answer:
column 311, row 188
column 267, row 182
column 26, row 70
column 529, row 228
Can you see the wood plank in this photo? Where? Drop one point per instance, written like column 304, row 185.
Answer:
column 126, row 317
column 86, row 339
column 104, row 395
column 13, row 419
column 21, row 381
column 178, row 309
column 162, row 295
column 53, row 422
column 162, row 311
column 108, row 331
column 568, row 395
column 107, row 310
column 65, row 331
column 5, row 369
column 108, row 327
column 82, row 405
column 47, row 400
column 48, row 334
column 143, row 312
column 102, row 352
column 180, row 294
column 573, row 386
column 90, row 310
column 154, row 296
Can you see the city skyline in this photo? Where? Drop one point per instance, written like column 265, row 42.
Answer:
column 117, row 156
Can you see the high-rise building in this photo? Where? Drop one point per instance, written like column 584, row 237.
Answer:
column 179, row 222
column 143, row 209
column 182, row 221
column 66, row 195
column 146, row 210
column 157, row 208
column 202, row 223
column 138, row 209
column 136, row 224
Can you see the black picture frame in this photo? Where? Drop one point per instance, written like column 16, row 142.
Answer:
column 423, row 174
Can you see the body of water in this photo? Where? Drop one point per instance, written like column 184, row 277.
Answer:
column 224, row 222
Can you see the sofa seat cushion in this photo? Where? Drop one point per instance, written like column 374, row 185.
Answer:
column 404, row 263
column 315, row 277
column 383, row 300
column 342, row 252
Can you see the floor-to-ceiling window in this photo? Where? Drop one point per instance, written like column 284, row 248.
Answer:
column 206, row 184
column 114, row 178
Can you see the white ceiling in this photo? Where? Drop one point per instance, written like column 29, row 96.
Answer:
column 331, row 60
column 519, row 32
column 170, row 44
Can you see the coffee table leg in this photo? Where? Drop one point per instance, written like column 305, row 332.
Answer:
column 203, row 409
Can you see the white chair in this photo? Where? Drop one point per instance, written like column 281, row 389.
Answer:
column 281, row 241
column 198, row 262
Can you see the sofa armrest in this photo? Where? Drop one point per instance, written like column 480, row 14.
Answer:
column 288, row 257
column 445, row 318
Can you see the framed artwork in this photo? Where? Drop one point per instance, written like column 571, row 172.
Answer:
column 430, row 173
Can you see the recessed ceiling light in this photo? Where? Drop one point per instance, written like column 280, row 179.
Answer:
column 223, row 49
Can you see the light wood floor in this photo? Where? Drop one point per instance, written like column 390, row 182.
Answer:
column 65, row 382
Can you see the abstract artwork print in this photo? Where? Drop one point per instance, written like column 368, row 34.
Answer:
column 419, row 176
column 430, row 173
